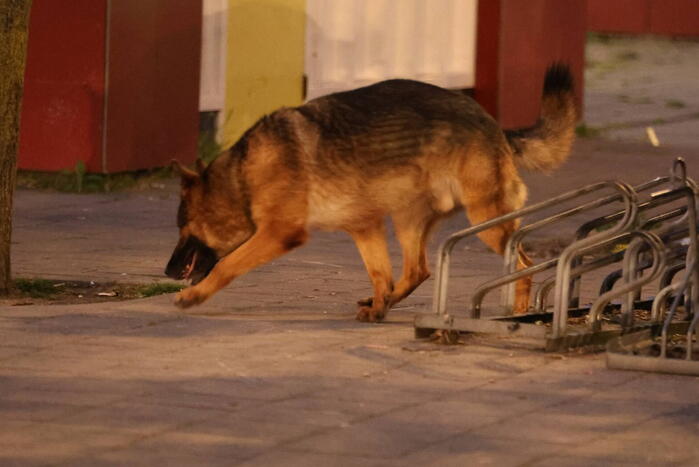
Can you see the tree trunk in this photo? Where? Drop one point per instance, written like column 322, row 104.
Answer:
column 14, row 23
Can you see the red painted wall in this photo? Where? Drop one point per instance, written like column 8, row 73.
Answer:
column 153, row 113
column 674, row 17
column 624, row 16
column 143, row 114
column 488, row 56
column 662, row 17
column 64, row 86
column 516, row 41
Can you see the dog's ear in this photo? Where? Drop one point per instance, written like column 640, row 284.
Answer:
column 185, row 172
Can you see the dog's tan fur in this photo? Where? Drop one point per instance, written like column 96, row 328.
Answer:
column 299, row 169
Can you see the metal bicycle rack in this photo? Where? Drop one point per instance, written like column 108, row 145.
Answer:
column 669, row 343
column 650, row 253
column 666, row 348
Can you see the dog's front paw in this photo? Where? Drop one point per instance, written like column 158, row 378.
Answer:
column 189, row 297
column 370, row 315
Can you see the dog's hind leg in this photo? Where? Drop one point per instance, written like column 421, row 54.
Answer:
column 496, row 238
column 412, row 230
column 371, row 243
column 496, row 196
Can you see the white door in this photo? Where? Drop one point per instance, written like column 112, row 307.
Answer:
column 351, row 43
column 212, row 88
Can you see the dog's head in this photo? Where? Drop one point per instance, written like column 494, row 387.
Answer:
column 209, row 226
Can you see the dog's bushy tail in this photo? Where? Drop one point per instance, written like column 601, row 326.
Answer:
column 546, row 145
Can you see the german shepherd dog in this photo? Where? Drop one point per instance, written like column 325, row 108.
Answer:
column 346, row 161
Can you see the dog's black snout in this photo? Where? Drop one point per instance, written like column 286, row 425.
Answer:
column 171, row 272
column 192, row 259
column 176, row 266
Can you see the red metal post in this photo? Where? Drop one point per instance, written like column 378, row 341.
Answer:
column 516, row 41
column 111, row 83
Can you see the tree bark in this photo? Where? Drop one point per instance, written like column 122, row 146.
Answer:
column 14, row 24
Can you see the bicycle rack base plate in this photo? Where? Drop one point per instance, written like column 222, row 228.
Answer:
column 527, row 329
column 637, row 351
column 532, row 329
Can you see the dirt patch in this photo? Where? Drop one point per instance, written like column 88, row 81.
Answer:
column 545, row 248
column 54, row 292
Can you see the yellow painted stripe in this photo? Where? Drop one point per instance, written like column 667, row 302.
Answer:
column 266, row 40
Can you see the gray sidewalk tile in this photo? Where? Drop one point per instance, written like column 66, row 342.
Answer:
column 387, row 436
column 285, row 458
column 474, row 449
column 136, row 418
column 52, row 443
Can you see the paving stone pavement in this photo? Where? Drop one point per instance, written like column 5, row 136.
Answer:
column 274, row 370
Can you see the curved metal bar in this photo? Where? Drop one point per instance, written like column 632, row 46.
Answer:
column 690, row 331
column 665, row 278
column 542, row 293
column 659, row 302
column 690, row 192
column 680, row 212
column 562, row 294
column 679, row 165
column 578, row 271
column 586, row 228
column 546, row 285
column 515, row 240
column 563, row 275
column 666, row 197
column 631, row 258
column 483, row 289
column 445, row 249
column 658, row 249
column 609, row 281
column 631, row 271
column 670, row 273
column 681, row 289
column 633, row 267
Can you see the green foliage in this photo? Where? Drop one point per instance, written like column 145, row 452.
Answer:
column 627, row 56
column 78, row 181
column 597, row 37
column 80, row 171
column 58, row 291
column 585, row 131
column 675, row 104
column 36, row 288
column 619, row 247
column 634, row 100
column 208, row 148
